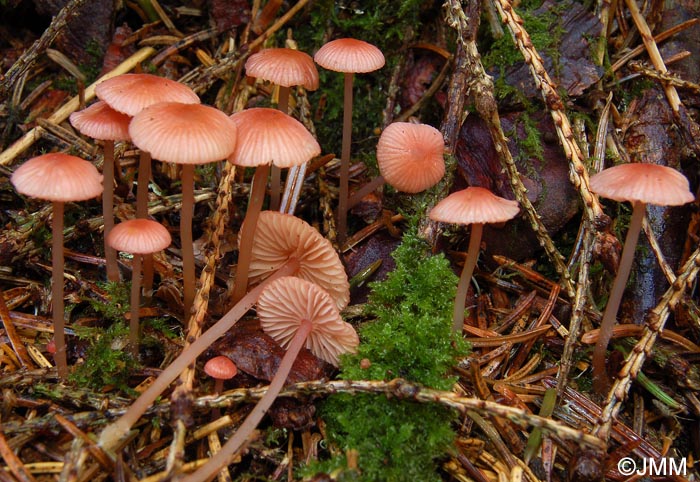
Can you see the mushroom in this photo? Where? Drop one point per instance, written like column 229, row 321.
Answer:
column 287, row 246
column 286, row 68
column 101, row 122
column 186, row 134
column 220, row 368
column 296, row 313
column 130, row 94
column 409, row 157
column 475, row 206
column 265, row 136
column 640, row 184
column 142, row 238
column 58, row 178
column 349, row 56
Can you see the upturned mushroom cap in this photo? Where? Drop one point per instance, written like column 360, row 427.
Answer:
column 58, row 177
column 409, row 156
column 221, row 368
column 474, row 205
column 184, row 133
column 131, row 93
column 640, row 182
column 269, row 136
column 285, row 67
column 349, row 55
column 139, row 236
column 288, row 300
column 279, row 237
column 100, row 121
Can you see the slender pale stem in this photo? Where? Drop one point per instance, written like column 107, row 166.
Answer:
column 465, row 278
column 108, row 211
column 345, row 160
column 364, row 190
column 216, row 463
column 186, row 213
column 147, row 281
column 113, row 433
column 245, row 252
column 135, row 304
column 144, row 177
column 59, row 337
column 600, row 379
column 276, row 172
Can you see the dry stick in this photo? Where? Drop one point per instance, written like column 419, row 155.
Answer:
column 28, row 58
column 19, row 146
column 14, row 464
column 245, row 252
column 201, row 299
column 654, row 325
column 689, row 128
column 482, row 88
column 15, row 340
column 113, row 433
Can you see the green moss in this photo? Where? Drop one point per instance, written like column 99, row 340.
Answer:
column 118, row 301
column 410, row 337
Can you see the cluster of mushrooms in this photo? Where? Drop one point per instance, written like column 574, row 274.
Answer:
column 298, row 282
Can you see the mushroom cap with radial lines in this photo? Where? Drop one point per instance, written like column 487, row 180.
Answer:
column 641, row 182
column 474, row 205
column 139, row 236
column 58, row 177
column 268, row 136
column 184, row 133
column 287, row 301
column 131, row 93
column 349, row 55
column 283, row 66
column 221, row 368
column 409, row 156
column 101, row 122
column 279, row 237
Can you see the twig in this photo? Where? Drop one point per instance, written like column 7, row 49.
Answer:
column 15, row 340
column 28, row 58
column 13, row 462
column 9, row 154
column 633, row 363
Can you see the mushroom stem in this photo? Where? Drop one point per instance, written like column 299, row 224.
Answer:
column 234, row 444
column 345, row 160
column 465, row 278
column 147, row 280
column 364, row 190
column 142, row 185
column 108, row 210
column 114, row 432
column 276, row 172
column 257, row 195
column 57, row 265
column 600, row 381
column 186, row 213
column 135, row 302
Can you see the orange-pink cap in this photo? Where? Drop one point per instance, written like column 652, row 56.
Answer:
column 184, row 133
column 349, row 55
column 283, row 66
column 474, row 205
column 288, row 301
column 101, row 122
column 279, row 237
column 131, row 93
column 268, row 136
column 58, row 177
column 409, row 156
column 641, row 182
column 139, row 236
column 221, row 368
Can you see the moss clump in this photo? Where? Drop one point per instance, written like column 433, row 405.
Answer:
column 409, row 338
